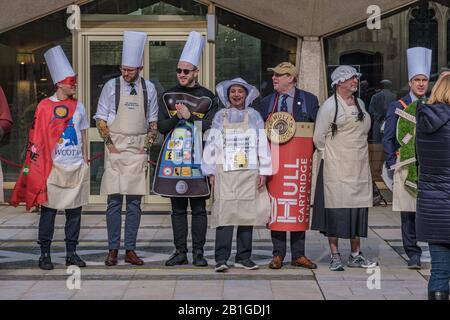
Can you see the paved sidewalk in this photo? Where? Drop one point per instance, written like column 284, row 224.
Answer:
column 20, row 278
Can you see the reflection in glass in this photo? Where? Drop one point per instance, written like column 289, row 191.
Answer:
column 246, row 49
column 23, row 84
column 96, row 167
column 105, row 57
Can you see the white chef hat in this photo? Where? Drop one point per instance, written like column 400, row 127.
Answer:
column 419, row 62
column 343, row 73
column 193, row 48
column 58, row 64
column 133, row 48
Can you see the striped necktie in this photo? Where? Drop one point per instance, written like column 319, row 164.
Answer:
column 133, row 89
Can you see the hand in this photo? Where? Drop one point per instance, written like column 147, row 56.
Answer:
column 112, row 149
column 261, row 181
column 183, row 110
column 144, row 151
column 212, row 180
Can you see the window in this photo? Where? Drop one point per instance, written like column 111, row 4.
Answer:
column 26, row 80
column 246, row 49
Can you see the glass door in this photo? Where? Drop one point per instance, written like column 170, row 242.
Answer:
column 101, row 56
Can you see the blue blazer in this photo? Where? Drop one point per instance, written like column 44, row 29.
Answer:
column 305, row 106
column 390, row 143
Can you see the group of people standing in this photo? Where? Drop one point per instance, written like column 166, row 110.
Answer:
column 246, row 152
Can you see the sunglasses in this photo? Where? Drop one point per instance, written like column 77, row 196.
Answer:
column 185, row 71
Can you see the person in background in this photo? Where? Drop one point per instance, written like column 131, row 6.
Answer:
column 419, row 67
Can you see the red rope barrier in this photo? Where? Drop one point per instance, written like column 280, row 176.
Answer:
column 93, row 158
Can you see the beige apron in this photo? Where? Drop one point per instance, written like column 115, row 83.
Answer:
column 402, row 200
column 125, row 172
column 237, row 199
column 346, row 172
column 68, row 186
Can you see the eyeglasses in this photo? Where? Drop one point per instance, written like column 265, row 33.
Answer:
column 126, row 70
column 185, row 71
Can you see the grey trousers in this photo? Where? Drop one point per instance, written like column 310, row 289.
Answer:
column 114, row 220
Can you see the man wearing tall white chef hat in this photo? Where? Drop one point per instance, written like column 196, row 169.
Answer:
column 126, row 119
column 181, row 110
column 55, row 173
column 419, row 68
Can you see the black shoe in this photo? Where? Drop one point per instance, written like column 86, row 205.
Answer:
column 198, row 259
column 438, row 295
column 74, row 260
column 247, row 264
column 45, row 262
column 221, row 267
column 178, row 258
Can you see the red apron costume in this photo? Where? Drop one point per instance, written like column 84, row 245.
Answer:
column 50, row 121
column 290, row 185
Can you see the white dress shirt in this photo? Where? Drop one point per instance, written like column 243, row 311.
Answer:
column 106, row 109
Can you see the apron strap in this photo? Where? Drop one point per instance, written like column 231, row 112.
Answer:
column 117, row 93
column 144, row 89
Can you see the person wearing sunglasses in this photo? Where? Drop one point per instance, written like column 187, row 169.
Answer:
column 126, row 120
column 182, row 110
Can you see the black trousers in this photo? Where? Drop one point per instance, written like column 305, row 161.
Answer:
column 224, row 240
column 297, row 243
column 409, row 235
column 47, row 228
column 180, row 223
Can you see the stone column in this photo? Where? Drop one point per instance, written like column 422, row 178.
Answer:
column 312, row 64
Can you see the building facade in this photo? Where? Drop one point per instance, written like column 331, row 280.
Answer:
column 246, row 37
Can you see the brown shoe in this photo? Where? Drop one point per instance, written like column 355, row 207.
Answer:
column 131, row 257
column 111, row 258
column 276, row 263
column 304, row 262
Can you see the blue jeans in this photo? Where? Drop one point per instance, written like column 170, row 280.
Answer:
column 440, row 267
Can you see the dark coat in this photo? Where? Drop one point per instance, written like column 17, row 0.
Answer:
column 301, row 98
column 433, row 152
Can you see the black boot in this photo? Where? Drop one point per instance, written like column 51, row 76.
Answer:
column 438, row 295
column 198, row 259
column 180, row 232
column 177, row 258
column 72, row 259
column 45, row 262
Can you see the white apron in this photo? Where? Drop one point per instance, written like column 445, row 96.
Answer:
column 68, row 186
column 402, row 200
column 237, row 199
column 125, row 173
column 346, row 172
